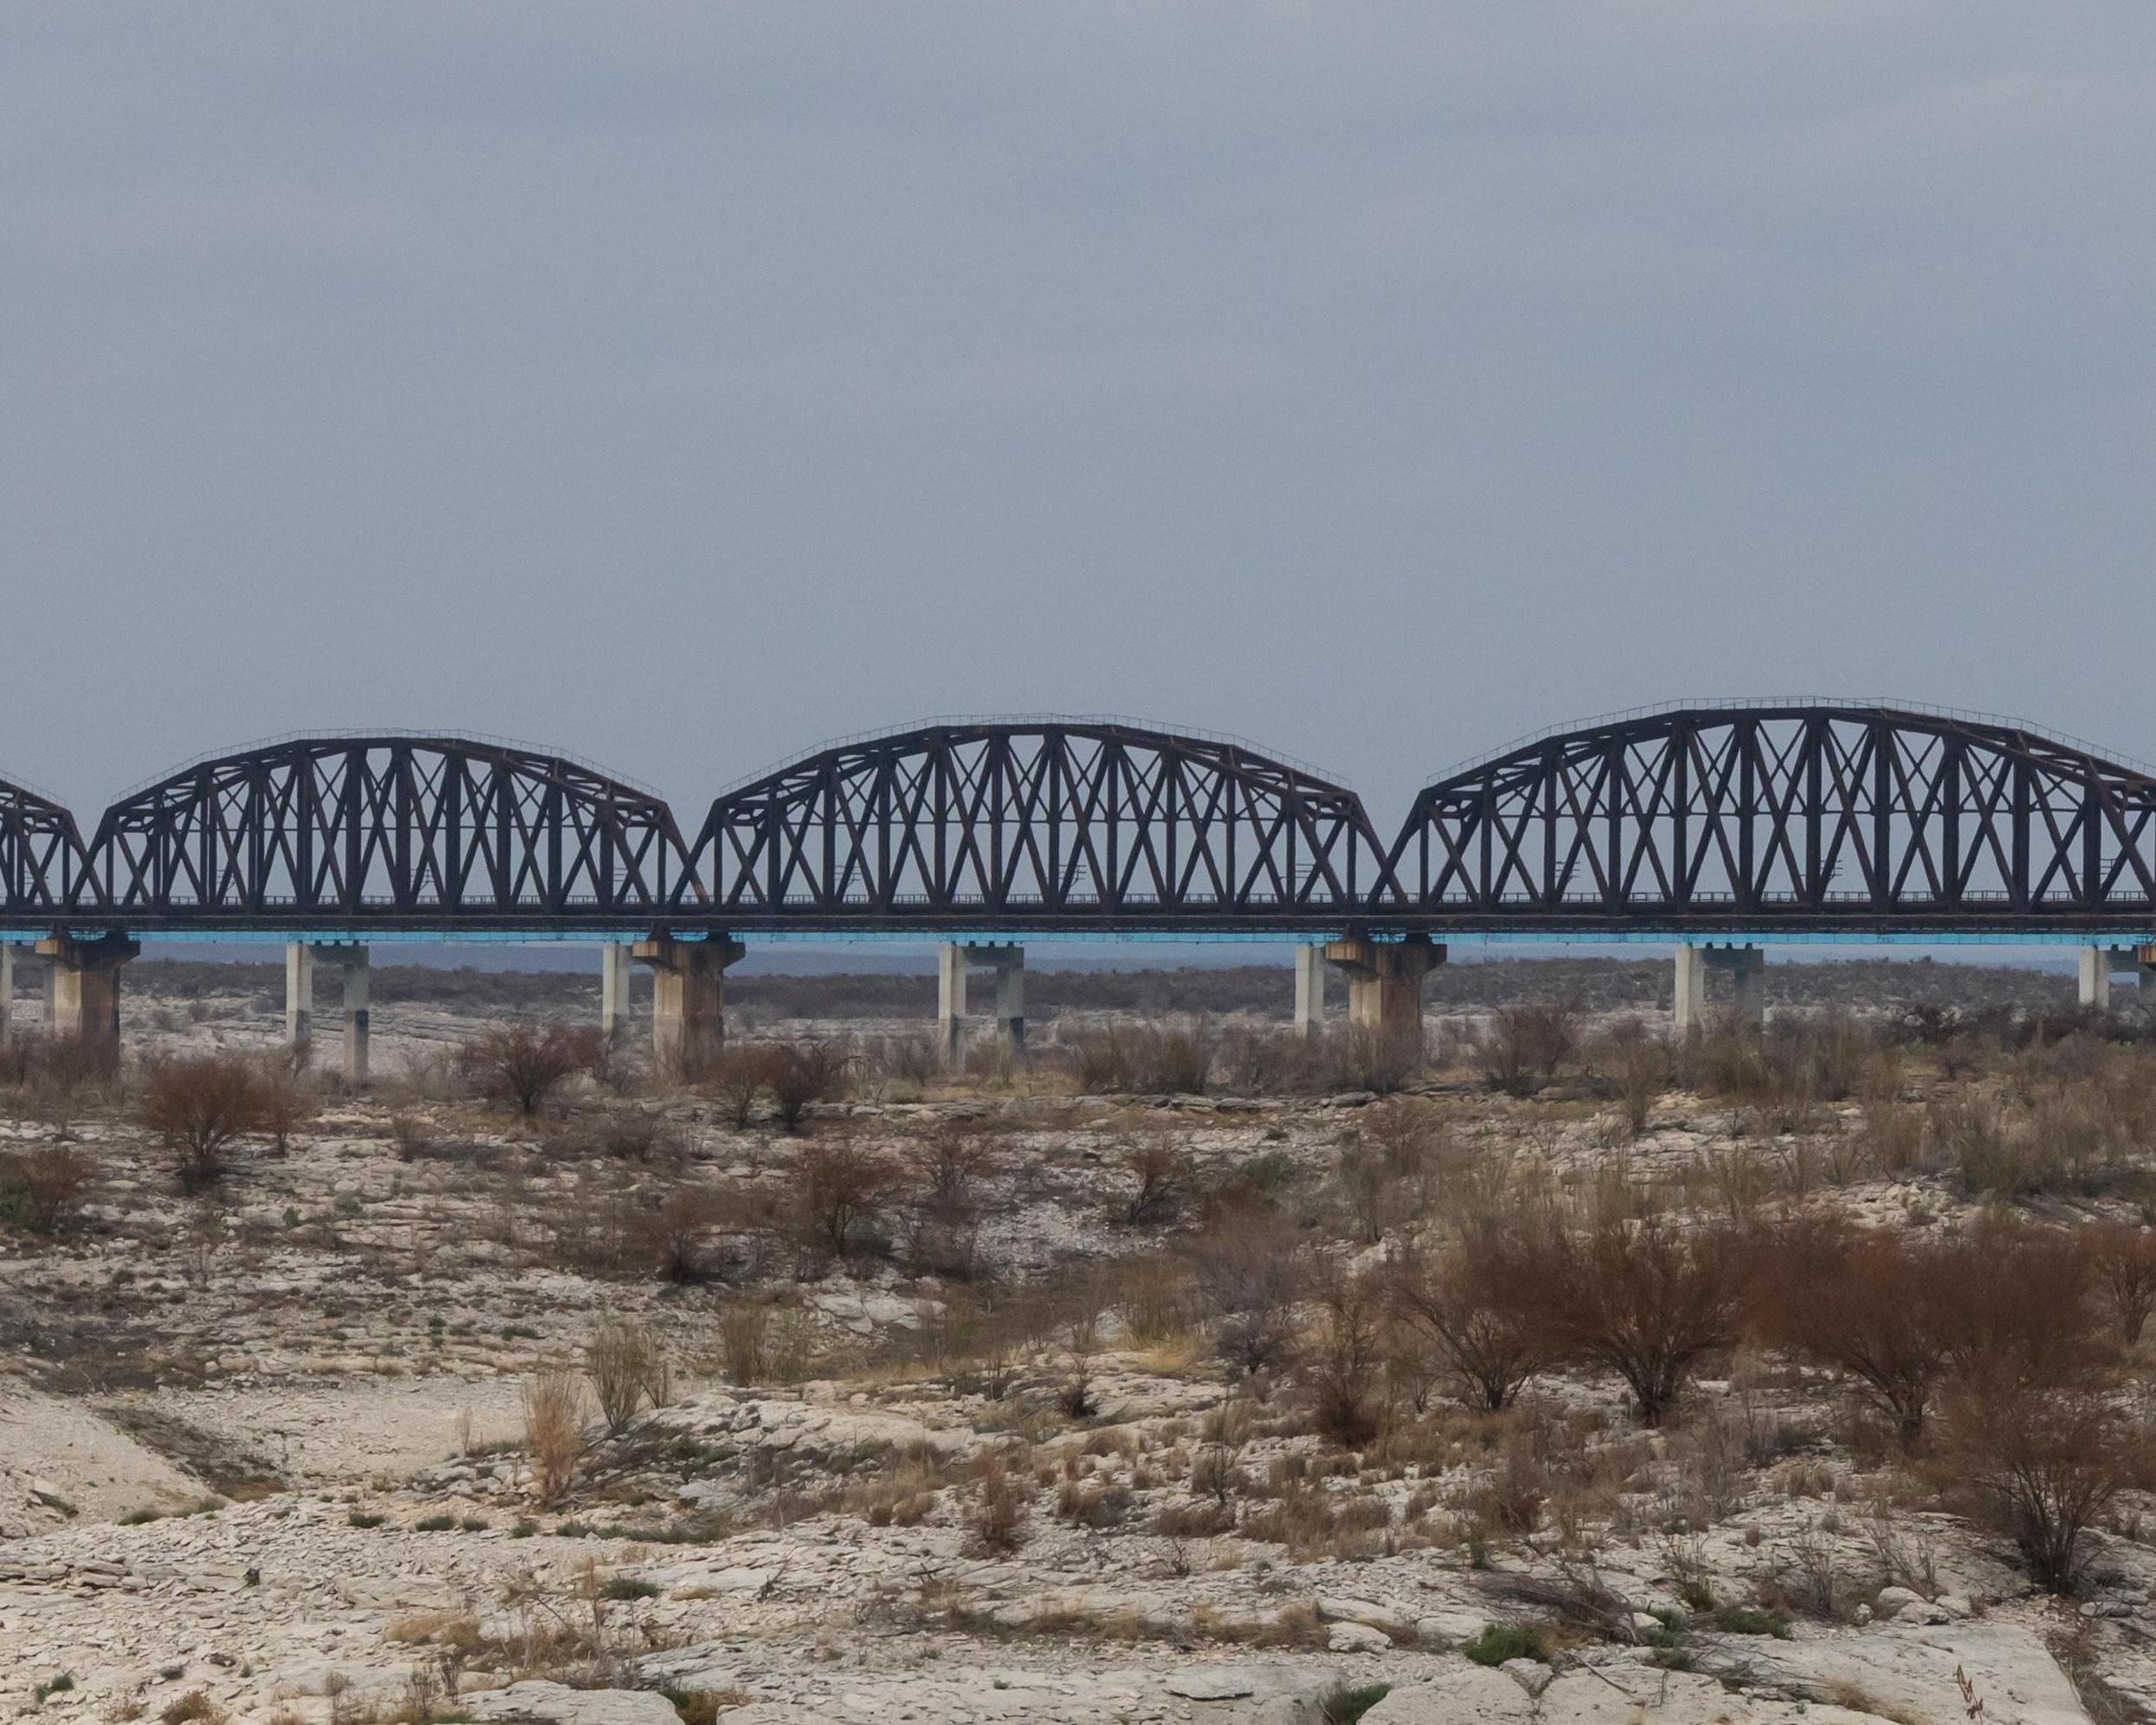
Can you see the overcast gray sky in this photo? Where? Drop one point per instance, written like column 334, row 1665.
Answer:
column 683, row 384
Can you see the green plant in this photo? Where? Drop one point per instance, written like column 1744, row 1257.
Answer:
column 59, row 1685
column 434, row 1524
column 360, row 1518
column 1745, row 1620
column 1344, row 1706
column 1501, row 1641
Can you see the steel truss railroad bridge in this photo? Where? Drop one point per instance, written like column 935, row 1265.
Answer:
column 1722, row 827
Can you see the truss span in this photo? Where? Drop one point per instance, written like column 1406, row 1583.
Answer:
column 1826, row 818
column 388, row 831
column 43, row 862
column 1038, row 825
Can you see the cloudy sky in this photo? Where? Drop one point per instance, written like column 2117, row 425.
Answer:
column 684, row 383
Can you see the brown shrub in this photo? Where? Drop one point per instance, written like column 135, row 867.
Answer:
column 1159, row 1170
column 626, row 1367
column 1522, row 1047
column 1339, row 1367
column 1869, row 1306
column 45, row 1186
column 949, row 1174
column 1245, row 1262
column 801, row 1074
column 995, row 1523
column 1361, row 1057
column 738, row 1076
column 1643, row 1299
column 524, row 1065
column 837, row 1191
column 1142, row 1059
column 2123, row 1260
column 1471, row 1309
column 197, row 1106
column 677, row 1231
column 2035, row 1462
column 554, row 1432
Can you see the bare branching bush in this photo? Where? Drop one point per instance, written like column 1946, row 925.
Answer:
column 1246, row 1269
column 995, row 1522
column 914, row 1059
column 1470, row 1309
column 739, row 1075
column 1643, row 1299
column 554, row 1432
column 950, row 1175
column 1521, row 1048
column 1363, row 1057
column 1639, row 1072
column 2123, row 1258
column 838, row 1193
column 760, row 1343
column 2039, row 1463
column 626, row 1367
column 679, row 1230
column 198, row 1108
column 802, row 1074
column 45, row 1188
column 1142, row 1059
column 1157, row 1171
column 523, row 1065
column 1869, row 1306
column 1339, row 1367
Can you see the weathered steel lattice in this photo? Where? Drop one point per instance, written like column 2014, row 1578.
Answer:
column 1037, row 826
column 1828, row 818
column 41, row 859
column 388, row 830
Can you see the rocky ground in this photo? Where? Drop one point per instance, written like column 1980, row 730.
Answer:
column 266, row 1445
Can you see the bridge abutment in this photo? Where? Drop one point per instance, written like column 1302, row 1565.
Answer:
column 82, row 987
column 614, row 977
column 953, row 960
column 689, row 996
column 1747, row 967
column 1309, row 991
column 1384, row 980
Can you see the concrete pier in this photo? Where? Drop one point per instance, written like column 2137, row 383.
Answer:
column 1309, row 991
column 614, row 973
column 2101, row 963
column 7, row 990
column 83, row 989
column 953, row 960
column 1384, row 980
column 688, row 1021
column 352, row 959
column 298, row 993
column 1745, row 965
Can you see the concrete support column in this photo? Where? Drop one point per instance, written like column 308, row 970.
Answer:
column 1384, row 980
column 1750, row 972
column 1746, row 965
column 2096, row 978
column 614, row 973
column 950, row 998
column 1689, row 1003
column 1009, row 967
column 7, row 990
column 84, row 986
column 351, row 959
column 687, row 994
column 1309, row 990
column 298, row 993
